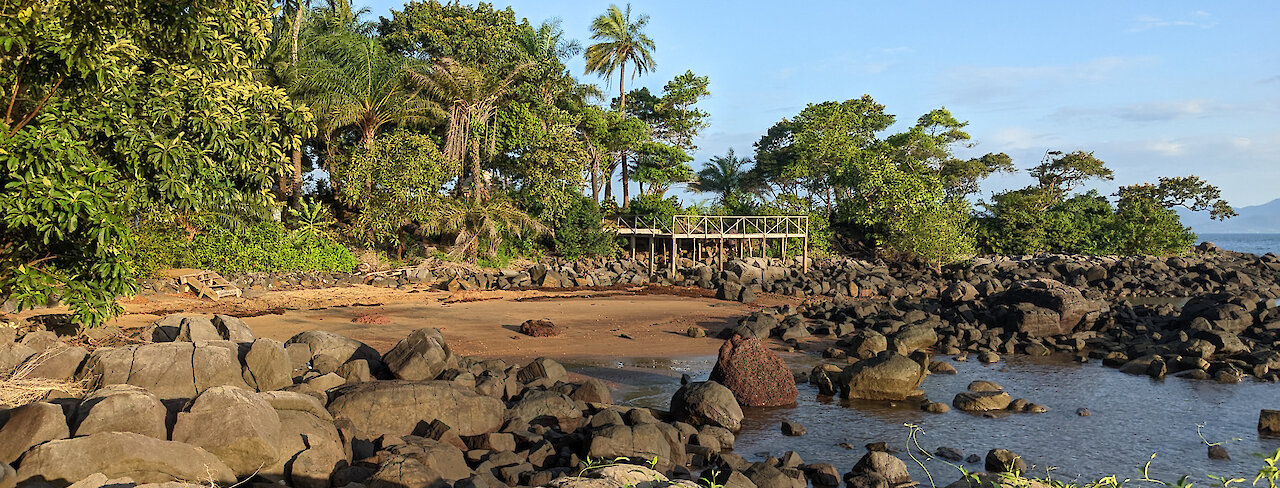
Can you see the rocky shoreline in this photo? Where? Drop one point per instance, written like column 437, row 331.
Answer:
column 199, row 399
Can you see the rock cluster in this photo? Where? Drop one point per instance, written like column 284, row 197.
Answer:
column 215, row 405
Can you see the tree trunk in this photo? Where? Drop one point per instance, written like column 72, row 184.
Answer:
column 295, row 186
column 622, row 107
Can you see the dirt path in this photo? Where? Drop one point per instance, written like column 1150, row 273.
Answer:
column 483, row 323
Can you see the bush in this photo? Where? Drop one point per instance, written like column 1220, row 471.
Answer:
column 269, row 247
column 265, row 246
column 650, row 205
column 581, row 234
column 158, row 246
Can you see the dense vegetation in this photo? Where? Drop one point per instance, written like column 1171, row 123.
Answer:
column 143, row 135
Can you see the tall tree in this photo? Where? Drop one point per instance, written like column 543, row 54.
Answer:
column 128, row 102
column 621, row 41
column 727, row 176
column 359, row 90
column 472, row 97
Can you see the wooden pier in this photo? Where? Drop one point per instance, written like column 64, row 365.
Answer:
column 741, row 231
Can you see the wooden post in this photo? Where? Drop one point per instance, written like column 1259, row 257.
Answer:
column 652, row 257
column 633, row 247
column 720, row 254
column 674, row 253
column 804, row 256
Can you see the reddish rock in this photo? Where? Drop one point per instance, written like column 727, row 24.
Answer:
column 539, row 328
column 756, row 376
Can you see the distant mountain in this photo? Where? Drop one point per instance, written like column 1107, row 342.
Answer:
column 1257, row 219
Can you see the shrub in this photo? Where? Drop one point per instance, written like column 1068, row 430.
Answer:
column 581, row 234
column 266, row 246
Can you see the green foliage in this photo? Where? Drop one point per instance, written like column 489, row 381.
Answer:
column 268, row 247
column 654, row 206
column 392, row 185
column 581, row 234
column 480, row 224
column 729, row 177
column 1046, row 218
column 263, row 246
column 123, row 103
column 1143, row 226
column 662, row 166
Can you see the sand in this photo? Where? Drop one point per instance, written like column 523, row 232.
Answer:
column 618, row 322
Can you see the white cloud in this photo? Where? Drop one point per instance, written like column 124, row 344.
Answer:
column 1165, row 147
column 1198, row 19
column 986, row 83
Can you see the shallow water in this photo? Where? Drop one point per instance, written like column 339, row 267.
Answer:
column 1132, row 417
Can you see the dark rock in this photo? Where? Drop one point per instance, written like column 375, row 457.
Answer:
column 756, row 376
column 398, row 407
column 1004, row 461
column 1048, row 300
column 793, row 428
column 121, row 408
column 707, row 403
column 539, row 328
column 1219, row 452
column 1083, row 412
column 1269, row 422
column 949, row 454
column 887, row 376
column 423, row 355
column 123, row 455
column 983, row 401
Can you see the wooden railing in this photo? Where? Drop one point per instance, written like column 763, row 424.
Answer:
column 714, row 226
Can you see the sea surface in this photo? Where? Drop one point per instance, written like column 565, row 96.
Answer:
column 1131, row 418
column 1252, row 243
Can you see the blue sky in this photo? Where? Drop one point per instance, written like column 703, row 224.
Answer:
column 1165, row 88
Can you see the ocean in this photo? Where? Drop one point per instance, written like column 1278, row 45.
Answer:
column 1253, row 243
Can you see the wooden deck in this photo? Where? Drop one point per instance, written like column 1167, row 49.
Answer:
column 740, row 230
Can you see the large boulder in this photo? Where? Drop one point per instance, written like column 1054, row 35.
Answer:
column 122, row 455
column 981, row 401
column 59, row 362
column 1045, row 307
column 31, row 425
column 1221, row 311
column 310, row 446
column 197, row 328
column 756, row 376
column 267, row 366
column 341, row 349
column 121, row 408
column 399, row 407
column 232, row 328
column 171, row 370
column 883, row 464
column 707, row 403
column 441, row 459
column 913, row 338
column 237, row 425
column 422, row 355
column 544, row 370
column 547, row 407
column 642, row 443
column 887, row 376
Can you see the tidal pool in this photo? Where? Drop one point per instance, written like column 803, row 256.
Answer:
column 1131, row 418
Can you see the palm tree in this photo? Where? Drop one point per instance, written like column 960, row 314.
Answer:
column 477, row 222
column 472, row 98
column 355, row 85
column 727, row 176
column 621, row 40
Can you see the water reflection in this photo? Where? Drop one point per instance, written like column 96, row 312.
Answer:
column 1132, row 417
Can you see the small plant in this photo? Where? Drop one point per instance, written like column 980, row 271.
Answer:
column 710, row 481
column 1269, row 472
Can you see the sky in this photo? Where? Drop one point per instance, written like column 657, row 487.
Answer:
column 1154, row 88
